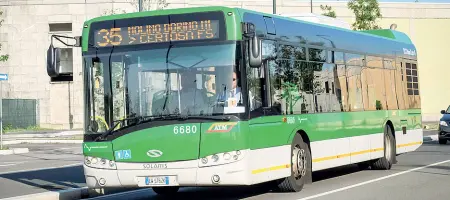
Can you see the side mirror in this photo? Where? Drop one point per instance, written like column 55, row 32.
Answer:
column 254, row 45
column 53, row 61
column 442, row 111
column 255, row 52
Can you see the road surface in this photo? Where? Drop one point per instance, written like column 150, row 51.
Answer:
column 56, row 167
column 47, row 167
column 411, row 179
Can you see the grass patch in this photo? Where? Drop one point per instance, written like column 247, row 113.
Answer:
column 4, row 148
column 10, row 129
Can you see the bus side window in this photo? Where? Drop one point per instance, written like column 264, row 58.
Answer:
column 254, row 88
column 400, row 86
column 412, row 85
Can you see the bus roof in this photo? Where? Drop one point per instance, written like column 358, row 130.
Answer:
column 386, row 35
column 383, row 33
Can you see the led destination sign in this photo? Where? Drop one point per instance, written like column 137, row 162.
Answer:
column 157, row 33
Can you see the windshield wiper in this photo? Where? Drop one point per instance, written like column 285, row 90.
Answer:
column 217, row 118
column 145, row 119
column 182, row 118
column 111, row 130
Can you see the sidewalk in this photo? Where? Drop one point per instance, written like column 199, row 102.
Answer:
column 72, row 137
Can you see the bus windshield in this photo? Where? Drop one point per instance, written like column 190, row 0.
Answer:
column 184, row 80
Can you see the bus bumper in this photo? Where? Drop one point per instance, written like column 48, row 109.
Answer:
column 183, row 173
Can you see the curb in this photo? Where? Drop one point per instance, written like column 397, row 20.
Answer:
column 14, row 151
column 43, row 142
column 42, row 135
column 74, row 193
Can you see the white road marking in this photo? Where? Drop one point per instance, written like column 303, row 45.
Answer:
column 7, row 165
column 16, row 162
column 371, row 181
column 74, row 193
column 32, row 170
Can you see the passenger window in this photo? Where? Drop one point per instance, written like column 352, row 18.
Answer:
column 412, row 85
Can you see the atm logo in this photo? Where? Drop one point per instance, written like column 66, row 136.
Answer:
column 221, row 127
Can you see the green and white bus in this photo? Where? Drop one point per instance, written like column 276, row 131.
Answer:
column 218, row 96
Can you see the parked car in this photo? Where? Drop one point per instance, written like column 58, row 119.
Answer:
column 444, row 126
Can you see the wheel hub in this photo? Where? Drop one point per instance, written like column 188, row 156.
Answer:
column 299, row 162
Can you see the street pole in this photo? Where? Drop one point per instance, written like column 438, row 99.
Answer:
column 311, row 7
column 274, row 7
column 140, row 5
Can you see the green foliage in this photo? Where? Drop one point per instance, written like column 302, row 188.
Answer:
column 113, row 11
column 150, row 4
column 295, row 77
column 291, row 94
column 3, row 57
column 328, row 11
column 366, row 14
column 8, row 128
column 147, row 5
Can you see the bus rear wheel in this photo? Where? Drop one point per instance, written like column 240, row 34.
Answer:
column 385, row 162
column 166, row 190
column 300, row 167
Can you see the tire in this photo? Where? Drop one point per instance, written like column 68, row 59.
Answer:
column 385, row 162
column 363, row 165
column 166, row 190
column 442, row 141
column 300, row 171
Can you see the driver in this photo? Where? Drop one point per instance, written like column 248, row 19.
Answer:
column 192, row 99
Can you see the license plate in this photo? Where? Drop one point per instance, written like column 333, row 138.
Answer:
column 164, row 180
column 157, row 181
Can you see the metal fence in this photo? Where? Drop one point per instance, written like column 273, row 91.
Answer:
column 19, row 113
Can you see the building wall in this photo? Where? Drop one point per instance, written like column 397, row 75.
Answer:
column 25, row 36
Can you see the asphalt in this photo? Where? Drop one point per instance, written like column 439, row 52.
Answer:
column 410, row 179
column 50, row 167
column 47, row 167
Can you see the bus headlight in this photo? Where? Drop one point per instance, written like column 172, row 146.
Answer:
column 100, row 163
column 221, row 158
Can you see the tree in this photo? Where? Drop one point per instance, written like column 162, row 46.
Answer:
column 3, row 57
column 113, row 11
column 328, row 11
column 147, row 5
column 366, row 14
column 150, row 4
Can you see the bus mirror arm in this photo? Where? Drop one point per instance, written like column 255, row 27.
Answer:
column 58, row 37
column 254, row 46
column 54, row 54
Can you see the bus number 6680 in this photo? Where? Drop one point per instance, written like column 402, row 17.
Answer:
column 184, row 129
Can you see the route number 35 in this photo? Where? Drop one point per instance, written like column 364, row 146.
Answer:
column 184, row 129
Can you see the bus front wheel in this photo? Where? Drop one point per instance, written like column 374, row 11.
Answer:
column 385, row 162
column 300, row 166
